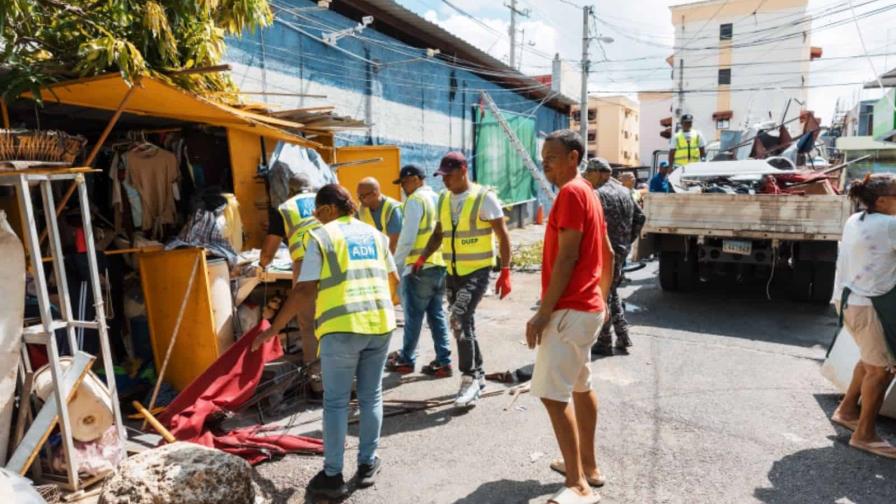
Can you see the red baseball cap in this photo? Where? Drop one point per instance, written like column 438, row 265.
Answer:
column 452, row 161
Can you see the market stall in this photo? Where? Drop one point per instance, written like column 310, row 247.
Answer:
column 179, row 200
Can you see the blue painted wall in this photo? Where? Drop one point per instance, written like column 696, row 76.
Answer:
column 435, row 88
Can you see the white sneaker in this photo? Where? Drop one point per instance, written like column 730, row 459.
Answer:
column 468, row 393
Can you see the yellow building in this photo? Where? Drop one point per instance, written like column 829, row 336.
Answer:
column 613, row 129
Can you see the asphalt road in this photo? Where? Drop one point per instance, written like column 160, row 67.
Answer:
column 720, row 401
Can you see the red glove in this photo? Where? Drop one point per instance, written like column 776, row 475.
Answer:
column 503, row 285
column 418, row 264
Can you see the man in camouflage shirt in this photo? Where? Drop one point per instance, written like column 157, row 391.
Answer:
column 624, row 221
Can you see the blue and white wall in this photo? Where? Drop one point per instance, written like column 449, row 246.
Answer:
column 425, row 106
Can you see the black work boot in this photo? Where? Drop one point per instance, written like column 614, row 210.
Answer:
column 602, row 348
column 330, row 487
column 367, row 473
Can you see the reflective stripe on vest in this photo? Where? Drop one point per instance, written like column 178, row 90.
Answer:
column 353, row 294
column 298, row 217
column 424, row 231
column 384, row 213
column 469, row 244
column 687, row 152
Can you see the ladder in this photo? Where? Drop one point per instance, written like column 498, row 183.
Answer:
column 518, row 147
column 55, row 409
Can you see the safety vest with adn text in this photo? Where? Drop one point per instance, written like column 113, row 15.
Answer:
column 424, row 231
column 687, row 152
column 468, row 244
column 384, row 214
column 353, row 291
column 298, row 216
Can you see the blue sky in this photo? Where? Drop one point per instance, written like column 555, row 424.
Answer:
column 556, row 26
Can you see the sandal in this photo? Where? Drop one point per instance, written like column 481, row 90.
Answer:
column 569, row 496
column 881, row 448
column 847, row 424
column 560, row 466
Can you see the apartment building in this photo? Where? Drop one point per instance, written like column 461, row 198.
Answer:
column 613, row 129
column 740, row 62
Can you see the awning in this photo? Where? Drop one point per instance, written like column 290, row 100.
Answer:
column 666, row 133
column 722, row 115
column 666, row 123
column 156, row 98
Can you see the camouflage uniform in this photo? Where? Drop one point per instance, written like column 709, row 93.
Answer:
column 624, row 221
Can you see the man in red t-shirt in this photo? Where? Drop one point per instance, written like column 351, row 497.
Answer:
column 577, row 269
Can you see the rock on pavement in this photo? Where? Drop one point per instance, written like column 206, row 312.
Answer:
column 185, row 473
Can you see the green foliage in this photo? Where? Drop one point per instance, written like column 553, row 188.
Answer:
column 43, row 41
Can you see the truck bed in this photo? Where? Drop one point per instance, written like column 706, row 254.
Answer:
column 760, row 216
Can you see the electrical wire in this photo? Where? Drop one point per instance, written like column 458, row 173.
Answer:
column 880, row 83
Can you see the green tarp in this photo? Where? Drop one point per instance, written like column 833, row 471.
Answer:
column 497, row 163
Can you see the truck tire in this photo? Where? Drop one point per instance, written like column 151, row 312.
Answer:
column 669, row 262
column 822, row 281
column 687, row 270
column 801, row 283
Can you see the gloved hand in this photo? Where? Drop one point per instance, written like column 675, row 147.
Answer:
column 503, row 285
column 418, row 264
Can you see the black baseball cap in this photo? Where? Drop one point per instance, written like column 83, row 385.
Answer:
column 409, row 171
column 452, row 161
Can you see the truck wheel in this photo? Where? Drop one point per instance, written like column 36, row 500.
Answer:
column 687, row 271
column 822, row 281
column 669, row 270
column 801, row 283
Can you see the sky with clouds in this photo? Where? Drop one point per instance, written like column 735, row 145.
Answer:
column 643, row 29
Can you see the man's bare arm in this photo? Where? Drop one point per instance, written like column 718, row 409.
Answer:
column 434, row 243
column 500, row 229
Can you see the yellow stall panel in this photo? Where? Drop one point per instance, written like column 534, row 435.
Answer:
column 385, row 171
column 165, row 276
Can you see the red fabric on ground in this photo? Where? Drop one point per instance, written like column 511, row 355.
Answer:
column 228, row 383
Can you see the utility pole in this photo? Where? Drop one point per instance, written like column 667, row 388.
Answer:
column 680, row 110
column 513, row 13
column 587, row 12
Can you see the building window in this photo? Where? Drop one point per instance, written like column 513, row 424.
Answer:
column 724, row 76
column 723, row 124
column 636, row 137
column 592, row 136
column 592, row 115
column 726, row 31
column 625, row 134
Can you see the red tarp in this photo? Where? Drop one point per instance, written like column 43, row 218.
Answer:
column 228, row 383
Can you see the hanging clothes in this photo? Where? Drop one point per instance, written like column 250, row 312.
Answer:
column 153, row 172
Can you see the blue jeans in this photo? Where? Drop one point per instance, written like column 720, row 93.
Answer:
column 422, row 294
column 342, row 356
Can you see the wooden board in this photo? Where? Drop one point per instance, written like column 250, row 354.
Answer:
column 46, row 419
column 385, row 171
column 164, row 276
column 790, row 217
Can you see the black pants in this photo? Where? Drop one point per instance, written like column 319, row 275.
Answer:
column 464, row 294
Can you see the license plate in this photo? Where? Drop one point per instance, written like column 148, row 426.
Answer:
column 739, row 247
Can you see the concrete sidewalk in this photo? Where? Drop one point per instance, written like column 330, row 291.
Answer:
column 720, row 401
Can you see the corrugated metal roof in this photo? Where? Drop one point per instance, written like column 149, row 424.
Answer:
column 394, row 20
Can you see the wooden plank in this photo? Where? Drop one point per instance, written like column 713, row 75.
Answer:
column 46, row 419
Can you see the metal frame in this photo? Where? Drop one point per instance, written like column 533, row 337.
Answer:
column 44, row 332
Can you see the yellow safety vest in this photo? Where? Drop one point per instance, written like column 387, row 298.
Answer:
column 298, row 216
column 686, row 152
column 385, row 214
column 469, row 244
column 353, row 292
column 424, row 231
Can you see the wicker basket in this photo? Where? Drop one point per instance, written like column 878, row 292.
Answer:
column 40, row 146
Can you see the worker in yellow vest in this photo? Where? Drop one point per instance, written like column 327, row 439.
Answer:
column 345, row 282
column 379, row 210
column 298, row 220
column 422, row 291
column 470, row 217
column 687, row 146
